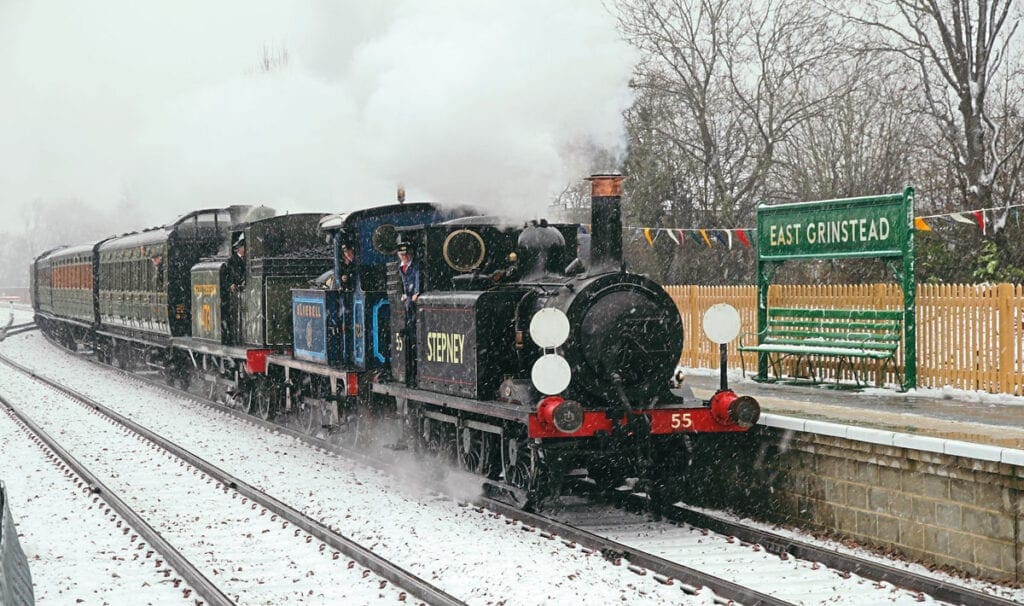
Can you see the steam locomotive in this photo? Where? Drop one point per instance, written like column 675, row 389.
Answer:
column 519, row 360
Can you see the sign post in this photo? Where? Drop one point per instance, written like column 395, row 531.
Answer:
column 848, row 228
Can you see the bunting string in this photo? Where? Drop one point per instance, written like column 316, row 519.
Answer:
column 984, row 218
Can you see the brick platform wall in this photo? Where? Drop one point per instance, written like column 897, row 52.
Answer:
column 936, row 509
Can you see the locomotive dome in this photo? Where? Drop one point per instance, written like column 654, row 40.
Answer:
column 540, row 246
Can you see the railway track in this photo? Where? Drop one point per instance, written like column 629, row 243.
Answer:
column 584, row 526
column 452, row 550
column 688, row 542
column 243, row 513
column 89, row 483
column 575, row 530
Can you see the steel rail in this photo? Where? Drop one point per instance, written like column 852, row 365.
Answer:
column 189, row 573
column 415, row 585
column 778, row 544
column 667, row 568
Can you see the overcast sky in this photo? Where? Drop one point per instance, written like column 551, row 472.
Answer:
column 160, row 107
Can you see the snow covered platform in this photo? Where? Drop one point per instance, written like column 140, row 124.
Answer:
column 936, row 420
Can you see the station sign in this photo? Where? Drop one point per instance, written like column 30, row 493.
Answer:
column 876, row 226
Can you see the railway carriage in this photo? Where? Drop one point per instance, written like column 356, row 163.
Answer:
column 62, row 291
column 142, row 285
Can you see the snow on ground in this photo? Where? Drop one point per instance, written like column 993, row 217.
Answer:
column 736, row 377
column 253, row 558
column 76, row 552
column 1014, row 595
column 470, row 554
column 451, row 546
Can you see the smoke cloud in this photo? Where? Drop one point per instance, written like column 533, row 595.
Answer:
column 143, row 111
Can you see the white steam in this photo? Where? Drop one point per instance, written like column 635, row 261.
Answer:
column 163, row 107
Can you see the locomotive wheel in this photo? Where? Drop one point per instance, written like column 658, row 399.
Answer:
column 356, row 422
column 184, row 377
column 247, row 400
column 122, row 354
column 312, row 420
column 522, row 473
column 266, row 403
column 478, row 452
column 440, row 441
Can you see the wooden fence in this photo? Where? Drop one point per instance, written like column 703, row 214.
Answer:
column 968, row 336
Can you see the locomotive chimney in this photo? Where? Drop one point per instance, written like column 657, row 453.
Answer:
column 606, row 221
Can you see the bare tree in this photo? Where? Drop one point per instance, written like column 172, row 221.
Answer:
column 721, row 86
column 866, row 143
column 959, row 50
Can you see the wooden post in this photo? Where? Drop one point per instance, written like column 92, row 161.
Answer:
column 1006, row 333
column 693, row 330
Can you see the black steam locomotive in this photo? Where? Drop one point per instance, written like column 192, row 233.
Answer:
column 519, row 360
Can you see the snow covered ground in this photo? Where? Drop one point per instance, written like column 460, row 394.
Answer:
column 468, row 553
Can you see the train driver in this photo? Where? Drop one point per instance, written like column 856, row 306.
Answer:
column 236, row 264
column 347, row 270
column 409, row 269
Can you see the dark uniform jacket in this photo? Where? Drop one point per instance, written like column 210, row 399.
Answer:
column 410, row 283
column 236, row 271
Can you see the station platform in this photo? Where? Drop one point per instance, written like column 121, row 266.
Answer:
column 995, row 421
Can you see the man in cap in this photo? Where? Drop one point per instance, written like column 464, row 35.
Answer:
column 236, row 264
column 347, row 269
column 236, row 281
column 409, row 270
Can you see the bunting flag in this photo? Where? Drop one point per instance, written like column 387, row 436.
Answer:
column 672, row 236
column 959, row 218
column 647, row 235
column 1000, row 222
column 742, row 235
column 979, row 216
column 682, row 236
column 724, row 239
column 695, row 236
column 704, row 234
column 920, row 225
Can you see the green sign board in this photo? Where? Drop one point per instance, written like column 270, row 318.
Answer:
column 877, row 226
column 874, row 226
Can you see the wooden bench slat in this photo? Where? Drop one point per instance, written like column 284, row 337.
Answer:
column 848, row 314
column 836, row 343
column 821, row 351
column 833, row 336
column 839, row 325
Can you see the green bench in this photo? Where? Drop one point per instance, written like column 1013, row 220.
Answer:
column 847, row 335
